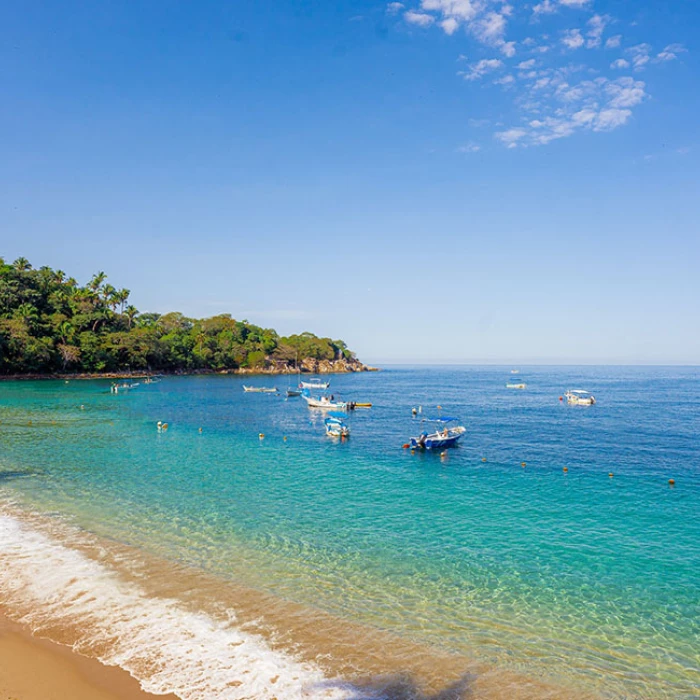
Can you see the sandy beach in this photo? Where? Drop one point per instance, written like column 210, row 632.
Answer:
column 37, row 669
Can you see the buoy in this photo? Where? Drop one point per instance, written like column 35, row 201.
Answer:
column 443, row 454
column 522, row 464
column 165, row 426
column 285, row 438
column 82, row 407
column 610, row 475
column 405, row 446
column 261, row 435
column 671, row 482
column 566, row 469
column 414, row 410
column 561, row 398
column 413, row 452
column 483, row 459
column 200, row 430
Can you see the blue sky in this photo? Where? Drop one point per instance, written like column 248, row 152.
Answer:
column 434, row 180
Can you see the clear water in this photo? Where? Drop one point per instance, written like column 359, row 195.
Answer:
column 578, row 578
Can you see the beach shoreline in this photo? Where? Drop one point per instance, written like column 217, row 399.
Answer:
column 34, row 668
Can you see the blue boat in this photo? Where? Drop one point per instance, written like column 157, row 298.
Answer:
column 336, row 427
column 446, row 434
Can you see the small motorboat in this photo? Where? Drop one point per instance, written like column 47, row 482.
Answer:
column 323, row 401
column 336, row 427
column 260, row 389
column 446, row 434
column 118, row 387
column 314, row 384
column 293, row 392
column 579, row 397
column 516, row 385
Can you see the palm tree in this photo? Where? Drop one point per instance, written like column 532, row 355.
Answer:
column 121, row 297
column 96, row 282
column 109, row 296
column 131, row 314
column 27, row 313
column 22, row 265
column 65, row 332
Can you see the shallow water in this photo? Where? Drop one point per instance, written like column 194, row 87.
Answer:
column 575, row 580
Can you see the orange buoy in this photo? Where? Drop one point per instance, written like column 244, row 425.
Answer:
column 610, row 475
column 261, row 435
column 561, row 398
column 405, row 446
column 200, row 430
column 523, row 464
column 671, row 482
column 483, row 459
column 285, row 438
column 566, row 469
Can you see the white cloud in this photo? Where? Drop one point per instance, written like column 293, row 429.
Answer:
column 526, row 65
column 574, row 3
column 547, row 7
column 597, row 25
column 449, row 25
column 490, row 28
column 619, row 64
column 418, row 18
column 639, row 56
column 478, row 70
column 609, row 119
column 625, row 92
column 670, row 53
column 511, row 137
column 464, row 10
column 572, row 39
column 506, row 80
column 508, row 48
column 613, row 42
column 393, row 8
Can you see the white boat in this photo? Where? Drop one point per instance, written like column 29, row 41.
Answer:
column 323, row 401
column 579, row 397
column 314, row 383
column 335, row 427
column 516, row 385
column 260, row 389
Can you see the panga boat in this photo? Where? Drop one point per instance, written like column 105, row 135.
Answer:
column 323, row 401
column 516, row 385
column 123, row 386
column 335, row 426
column 314, row 383
column 293, row 392
column 260, row 389
column 447, row 433
column 579, row 397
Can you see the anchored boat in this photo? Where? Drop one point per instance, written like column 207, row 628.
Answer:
column 323, row 401
column 260, row 389
column 579, row 397
column 336, row 427
column 446, row 434
column 314, row 384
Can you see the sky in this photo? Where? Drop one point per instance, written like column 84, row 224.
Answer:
column 430, row 180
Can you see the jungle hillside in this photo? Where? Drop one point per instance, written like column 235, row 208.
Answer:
column 50, row 324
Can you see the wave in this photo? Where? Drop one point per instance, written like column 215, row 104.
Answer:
column 168, row 648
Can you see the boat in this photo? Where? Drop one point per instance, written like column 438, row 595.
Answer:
column 336, row 427
column 314, row 383
column 323, row 401
column 579, row 397
column 515, row 371
column 293, row 392
column 123, row 386
column 446, row 434
column 516, row 385
column 260, row 389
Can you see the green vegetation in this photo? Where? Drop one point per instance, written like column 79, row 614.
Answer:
column 49, row 324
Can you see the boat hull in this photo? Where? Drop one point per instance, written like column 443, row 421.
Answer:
column 435, row 442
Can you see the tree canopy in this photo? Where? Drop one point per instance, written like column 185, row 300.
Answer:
column 49, row 323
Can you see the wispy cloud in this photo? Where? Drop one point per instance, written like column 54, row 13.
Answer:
column 419, row 18
column 478, row 70
column 468, row 148
column 551, row 96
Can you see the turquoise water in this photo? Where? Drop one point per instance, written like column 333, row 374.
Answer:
column 573, row 577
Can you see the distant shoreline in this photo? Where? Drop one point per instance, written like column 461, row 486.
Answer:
column 179, row 373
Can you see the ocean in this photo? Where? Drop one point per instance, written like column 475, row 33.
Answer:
column 547, row 556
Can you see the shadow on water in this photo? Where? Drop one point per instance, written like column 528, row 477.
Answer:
column 400, row 687
column 14, row 474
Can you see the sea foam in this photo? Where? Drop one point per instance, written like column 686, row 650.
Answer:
column 165, row 646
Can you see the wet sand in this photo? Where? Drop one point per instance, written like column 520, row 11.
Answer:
column 37, row 669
